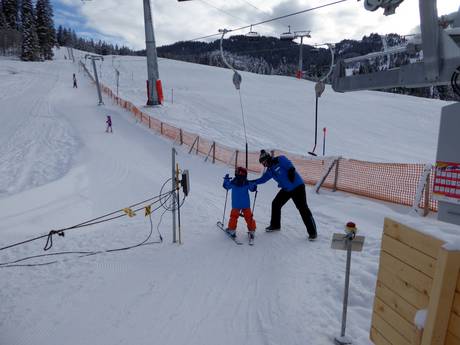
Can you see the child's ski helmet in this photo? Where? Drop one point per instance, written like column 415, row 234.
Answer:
column 240, row 171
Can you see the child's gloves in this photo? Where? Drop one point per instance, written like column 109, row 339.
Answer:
column 291, row 174
column 227, row 177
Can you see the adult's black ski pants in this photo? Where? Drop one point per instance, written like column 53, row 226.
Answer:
column 299, row 198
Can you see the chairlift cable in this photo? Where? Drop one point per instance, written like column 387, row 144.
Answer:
column 273, row 19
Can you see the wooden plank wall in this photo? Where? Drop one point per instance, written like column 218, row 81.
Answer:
column 407, row 268
column 453, row 331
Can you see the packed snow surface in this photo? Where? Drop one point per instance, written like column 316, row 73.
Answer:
column 59, row 168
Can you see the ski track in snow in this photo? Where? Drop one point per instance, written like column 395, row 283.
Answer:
column 42, row 144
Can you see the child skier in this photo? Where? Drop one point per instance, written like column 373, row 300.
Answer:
column 240, row 201
column 109, row 124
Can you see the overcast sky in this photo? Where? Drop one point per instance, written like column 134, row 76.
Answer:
column 122, row 21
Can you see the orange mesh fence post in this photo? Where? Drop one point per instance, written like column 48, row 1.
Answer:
column 223, row 154
column 170, row 132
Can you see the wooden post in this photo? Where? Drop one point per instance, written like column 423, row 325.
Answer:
column 213, row 152
column 149, row 123
column 441, row 298
column 180, row 135
column 320, row 182
column 161, row 128
column 426, row 208
column 193, row 145
column 197, row 144
column 336, row 177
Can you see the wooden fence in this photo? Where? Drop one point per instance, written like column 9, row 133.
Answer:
column 416, row 273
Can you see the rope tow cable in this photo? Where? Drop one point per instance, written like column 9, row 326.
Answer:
column 237, row 79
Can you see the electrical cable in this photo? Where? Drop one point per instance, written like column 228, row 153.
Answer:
column 93, row 221
column 221, row 10
column 254, row 6
column 273, row 19
column 89, row 253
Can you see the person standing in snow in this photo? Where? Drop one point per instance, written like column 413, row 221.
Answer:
column 74, row 81
column 109, row 124
column 282, row 170
column 240, row 187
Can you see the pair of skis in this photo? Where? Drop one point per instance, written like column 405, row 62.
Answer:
column 235, row 239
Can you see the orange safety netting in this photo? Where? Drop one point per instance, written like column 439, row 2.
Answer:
column 392, row 182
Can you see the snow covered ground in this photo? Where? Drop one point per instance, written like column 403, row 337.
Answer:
column 59, row 168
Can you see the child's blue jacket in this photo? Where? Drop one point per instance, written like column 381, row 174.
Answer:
column 240, row 192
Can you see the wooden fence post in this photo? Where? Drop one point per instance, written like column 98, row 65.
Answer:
column 336, row 177
column 161, row 128
column 193, row 144
column 197, row 144
column 441, row 298
column 213, row 152
column 426, row 208
column 180, row 136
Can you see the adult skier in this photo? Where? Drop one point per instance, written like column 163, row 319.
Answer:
column 282, row 170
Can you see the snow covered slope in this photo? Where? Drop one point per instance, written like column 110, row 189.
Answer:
column 60, row 168
column 280, row 112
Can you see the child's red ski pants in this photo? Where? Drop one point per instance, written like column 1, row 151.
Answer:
column 235, row 213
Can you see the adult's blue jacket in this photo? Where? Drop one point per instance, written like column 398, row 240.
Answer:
column 279, row 172
column 240, row 192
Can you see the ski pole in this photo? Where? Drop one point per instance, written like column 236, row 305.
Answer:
column 225, row 208
column 254, row 202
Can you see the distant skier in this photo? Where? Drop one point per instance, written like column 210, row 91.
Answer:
column 109, row 124
column 240, row 187
column 292, row 187
column 74, row 81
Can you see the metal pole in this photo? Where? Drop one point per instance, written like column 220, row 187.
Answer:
column 151, row 50
column 178, row 204
column 246, row 155
column 301, row 57
column 118, row 79
column 324, row 141
column 97, row 82
column 347, row 284
column 173, row 183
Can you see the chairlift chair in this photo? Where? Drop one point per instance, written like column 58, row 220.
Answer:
column 287, row 36
column 252, row 34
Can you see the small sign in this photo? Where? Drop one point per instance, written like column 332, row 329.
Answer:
column 339, row 241
column 446, row 186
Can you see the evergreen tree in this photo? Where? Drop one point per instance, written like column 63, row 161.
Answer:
column 10, row 10
column 3, row 23
column 59, row 35
column 45, row 28
column 30, row 46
